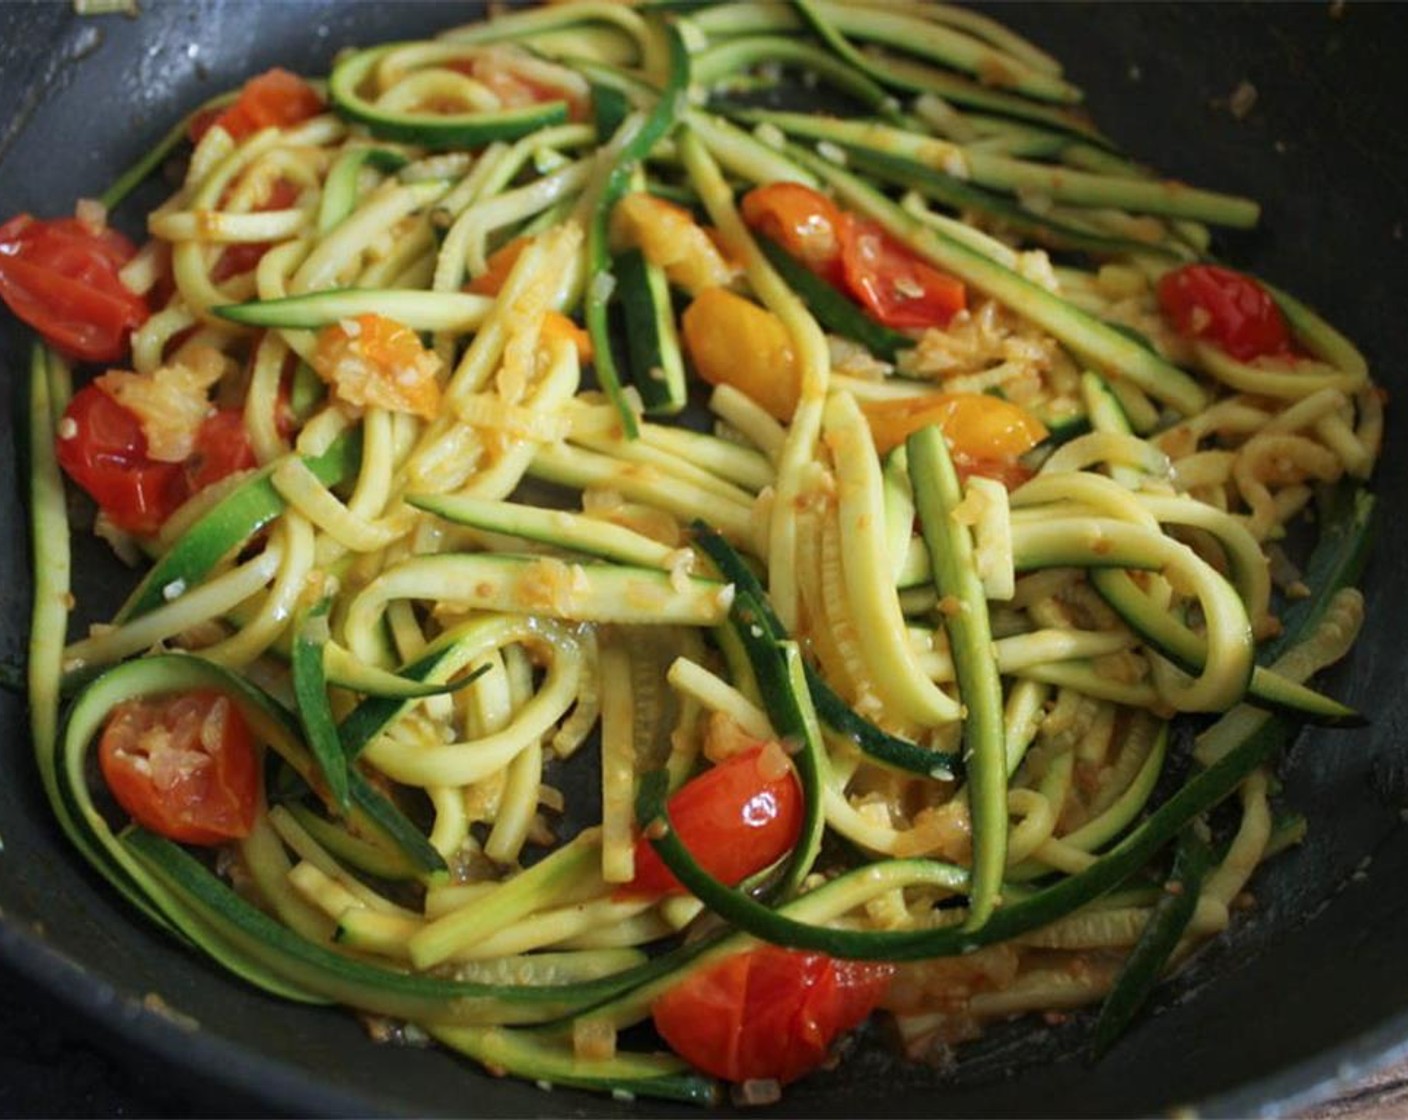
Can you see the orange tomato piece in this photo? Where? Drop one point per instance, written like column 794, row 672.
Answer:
column 557, row 325
column 373, row 360
column 979, row 428
column 500, row 262
column 733, row 341
column 804, row 222
column 671, row 239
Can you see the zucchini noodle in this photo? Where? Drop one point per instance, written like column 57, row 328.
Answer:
column 494, row 585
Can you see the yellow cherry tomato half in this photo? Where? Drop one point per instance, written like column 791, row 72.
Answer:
column 733, row 341
column 978, row 427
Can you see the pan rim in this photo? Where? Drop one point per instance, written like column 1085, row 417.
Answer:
column 286, row 1087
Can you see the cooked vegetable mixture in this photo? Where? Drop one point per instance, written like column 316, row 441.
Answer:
column 609, row 547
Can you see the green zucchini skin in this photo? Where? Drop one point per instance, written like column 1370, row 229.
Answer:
column 344, row 670
column 558, row 528
column 890, row 750
column 179, row 893
column 1027, row 913
column 651, row 340
column 340, row 192
column 1106, row 414
column 430, row 999
column 1345, row 513
column 432, row 130
column 599, row 593
column 421, row 311
column 880, row 146
column 1170, row 917
column 777, row 667
column 346, row 848
column 956, row 193
column 655, row 126
column 1081, row 333
column 1170, row 638
column 1165, row 633
column 937, row 493
column 1336, row 563
column 542, row 1058
column 735, row 56
column 1061, row 429
column 272, row 723
column 364, row 722
column 610, row 107
column 310, row 689
column 156, row 155
column 445, row 658
column 234, row 519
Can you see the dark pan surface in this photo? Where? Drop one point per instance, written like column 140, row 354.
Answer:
column 1310, row 987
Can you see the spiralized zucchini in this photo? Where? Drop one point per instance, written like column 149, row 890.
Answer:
column 427, row 608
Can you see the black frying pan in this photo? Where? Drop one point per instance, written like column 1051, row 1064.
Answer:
column 1311, row 986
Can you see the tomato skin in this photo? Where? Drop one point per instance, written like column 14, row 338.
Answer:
column 61, row 278
column 558, row 325
column 804, row 222
column 184, row 766
column 500, row 264
column 732, row 341
column 1227, row 308
column 106, row 455
column 856, row 255
column 276, row 98
column 769, row 1013
column 735, row 818
column 896, row 287
column 979, row 428
column 222, row 449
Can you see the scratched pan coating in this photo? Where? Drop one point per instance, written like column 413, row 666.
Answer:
column 1309, row 987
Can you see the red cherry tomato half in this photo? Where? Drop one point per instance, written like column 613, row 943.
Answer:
column 102, row 448
column 895, row 286
column 804, row 222
column 61, row 278
column 769, row 1013
column 737, row 818
column 274, row 99
column 184, row 766
column 222, row 448
column 1229, row 309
